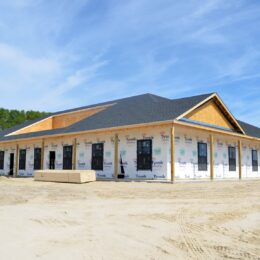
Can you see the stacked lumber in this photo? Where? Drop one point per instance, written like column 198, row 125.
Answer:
column 70, row 176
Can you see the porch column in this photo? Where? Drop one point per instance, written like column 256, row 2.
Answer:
column 116, row 156
column 211, row 157
column 172, row 154
column 74, row 162
column 239, row 159
column 42, row 155
column 16, row 160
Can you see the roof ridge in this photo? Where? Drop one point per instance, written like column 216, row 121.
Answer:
column 102, row 103
column 200, row 95
column 107, row 103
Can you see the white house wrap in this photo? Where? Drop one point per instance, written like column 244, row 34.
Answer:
column 135, row 138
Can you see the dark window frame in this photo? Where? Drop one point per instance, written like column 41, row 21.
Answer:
column 22, row 159
column 144, row 158
column 232, row 160
column 97, row 157
column 254, row 161
column 67, row 157
column 37, row 158
column 2, row 160
column 202, row 159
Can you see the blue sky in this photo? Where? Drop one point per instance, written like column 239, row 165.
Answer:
column 61, row 54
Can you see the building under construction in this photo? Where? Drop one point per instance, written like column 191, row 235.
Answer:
column 141, row 137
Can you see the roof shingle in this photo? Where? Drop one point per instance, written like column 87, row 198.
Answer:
column 146, row 108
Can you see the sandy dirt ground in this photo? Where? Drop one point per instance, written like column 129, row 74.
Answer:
column 116, row 220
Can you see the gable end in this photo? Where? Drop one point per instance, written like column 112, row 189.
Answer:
column 213, row 113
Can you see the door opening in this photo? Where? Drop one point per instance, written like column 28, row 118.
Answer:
column 52, row 160
column 11, row 170
column 121, row 175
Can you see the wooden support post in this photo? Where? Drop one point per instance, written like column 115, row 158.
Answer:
column 74, row 166
column 116, row 156
column 16, row 160
column 42, row 155
column 172, row 154
column 240, row 159
column 211, row 157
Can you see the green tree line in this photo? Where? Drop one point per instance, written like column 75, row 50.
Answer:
column 9, row 118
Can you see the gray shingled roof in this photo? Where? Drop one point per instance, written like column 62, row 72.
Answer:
column 250, row 129
column 30, row 122
column 140, row 109
column 20, row 126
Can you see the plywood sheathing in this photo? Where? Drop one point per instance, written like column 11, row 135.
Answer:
column 222, row 108
column 68, row 119
column 60, row 121
column 210, row 113
column 43, row 125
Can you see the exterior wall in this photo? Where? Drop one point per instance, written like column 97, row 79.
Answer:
column 221, row 165
column 29, row 158
column 127, row 151
column 247, row 169
column 186, row 154
column 160, row 151
column 55, row 145
column 221, row 162
column 84, row 153
column 8, row 150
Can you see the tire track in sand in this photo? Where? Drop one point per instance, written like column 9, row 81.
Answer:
column 195, row 248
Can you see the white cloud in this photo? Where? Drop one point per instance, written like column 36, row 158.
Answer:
column 56, row 96
column 206, row 7
column 21, row 63
column 239, row 68
column 19, row 3
column 56, row 49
